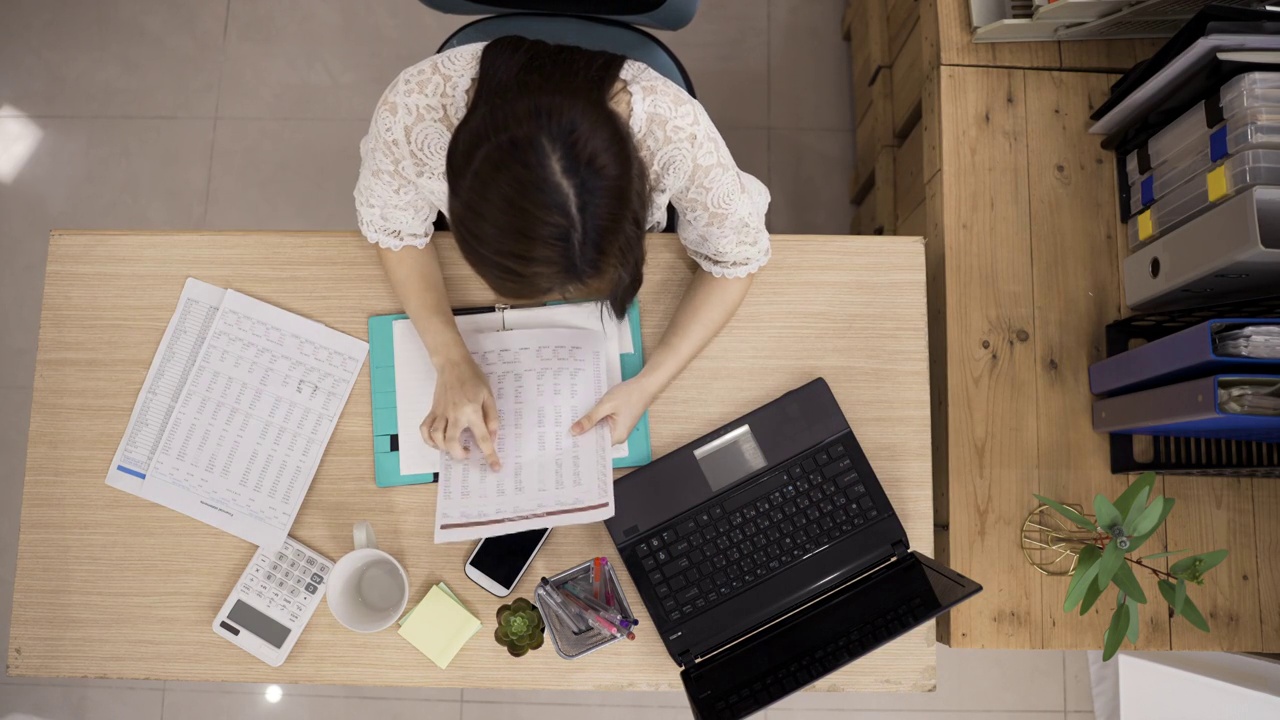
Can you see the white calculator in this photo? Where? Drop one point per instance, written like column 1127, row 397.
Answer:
column 274, row 600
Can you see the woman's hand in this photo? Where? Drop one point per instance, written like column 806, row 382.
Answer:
column 463, row 400
column 621, row 407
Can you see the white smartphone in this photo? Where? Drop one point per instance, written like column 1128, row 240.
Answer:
column 498, row 563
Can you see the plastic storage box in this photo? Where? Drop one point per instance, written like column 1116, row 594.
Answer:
column 1253, row 129
column 1242, row 93
column 1198, row 194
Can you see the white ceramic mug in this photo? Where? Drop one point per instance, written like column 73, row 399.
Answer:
column 368, row 589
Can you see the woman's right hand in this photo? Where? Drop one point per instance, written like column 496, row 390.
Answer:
column 463, row 400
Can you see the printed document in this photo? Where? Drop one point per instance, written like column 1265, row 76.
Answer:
column 416, row 376
column 235, row 413
column 542, row 381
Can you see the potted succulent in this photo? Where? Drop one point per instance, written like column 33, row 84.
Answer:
column 520, row 627
column 1107, row 554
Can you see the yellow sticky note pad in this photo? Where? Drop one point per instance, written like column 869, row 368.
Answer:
column 1217, row 182
column 1144, row 225
column 439, row 626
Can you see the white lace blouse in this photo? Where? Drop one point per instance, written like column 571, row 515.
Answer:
column 402, row 181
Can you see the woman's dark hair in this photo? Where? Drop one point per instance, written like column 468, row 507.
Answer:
column 547, row 194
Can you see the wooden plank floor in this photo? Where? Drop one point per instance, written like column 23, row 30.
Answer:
column 1025, row 255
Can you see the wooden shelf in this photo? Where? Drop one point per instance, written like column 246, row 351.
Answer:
column 1023, row 243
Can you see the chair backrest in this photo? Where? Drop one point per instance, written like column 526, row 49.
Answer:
column 657, row 14
column 590, row 33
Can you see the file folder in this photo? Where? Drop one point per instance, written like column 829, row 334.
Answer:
column 1183, row 355
column 382, row 377
column 1186, row 409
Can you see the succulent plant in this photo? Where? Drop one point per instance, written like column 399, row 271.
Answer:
column 520, row 627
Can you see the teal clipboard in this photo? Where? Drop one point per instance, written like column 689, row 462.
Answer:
column 386, row 434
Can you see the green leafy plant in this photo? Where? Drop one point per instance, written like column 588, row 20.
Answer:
column 1120, row 529
column 520, row 627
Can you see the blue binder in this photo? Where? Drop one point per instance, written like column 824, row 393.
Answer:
column 1181, row 356
column 386, row 438
column 1185, row 409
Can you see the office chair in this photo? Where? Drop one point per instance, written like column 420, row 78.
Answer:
column 592, row 24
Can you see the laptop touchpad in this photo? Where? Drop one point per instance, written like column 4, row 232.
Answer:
column 730, row 457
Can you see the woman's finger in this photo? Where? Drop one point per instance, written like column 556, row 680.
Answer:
column 588, row 421
column 425, row 430
column 490, row 410
column 437, row 433
column 453, row 438
column 485, row 442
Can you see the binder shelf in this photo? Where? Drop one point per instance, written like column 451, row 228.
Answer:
column 1189, row 455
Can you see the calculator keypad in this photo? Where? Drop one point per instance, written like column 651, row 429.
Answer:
column 286, row 581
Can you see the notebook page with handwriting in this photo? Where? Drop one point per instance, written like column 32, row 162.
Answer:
column 247, row 432
column 542, row 380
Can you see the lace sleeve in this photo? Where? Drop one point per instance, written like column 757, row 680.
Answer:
column 721, row 208
column 402, row 159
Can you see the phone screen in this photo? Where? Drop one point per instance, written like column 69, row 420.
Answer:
column 503, row 557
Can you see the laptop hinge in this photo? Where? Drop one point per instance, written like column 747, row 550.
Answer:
column 685, row 659
column 899, row 549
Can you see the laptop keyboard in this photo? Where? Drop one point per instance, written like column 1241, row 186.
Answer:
column 721, row 549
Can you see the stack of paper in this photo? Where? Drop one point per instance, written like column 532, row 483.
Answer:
column 439, row 626
column 237, row 408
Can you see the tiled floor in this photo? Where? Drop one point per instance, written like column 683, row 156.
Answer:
column 246, row 114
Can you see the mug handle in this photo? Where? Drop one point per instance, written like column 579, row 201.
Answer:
column 362, row 535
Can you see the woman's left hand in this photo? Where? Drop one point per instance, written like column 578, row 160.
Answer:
column 621, row 407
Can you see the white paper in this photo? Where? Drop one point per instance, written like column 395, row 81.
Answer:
column 626, row 345
column 416, row 376
column 247, row 432
column 183, row 337
column 542, row 381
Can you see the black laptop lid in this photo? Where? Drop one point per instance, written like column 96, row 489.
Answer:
column 823, row 637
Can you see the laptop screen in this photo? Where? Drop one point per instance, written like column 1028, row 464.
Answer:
column 822, row 637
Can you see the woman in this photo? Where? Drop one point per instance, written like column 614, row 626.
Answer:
column 551, row 162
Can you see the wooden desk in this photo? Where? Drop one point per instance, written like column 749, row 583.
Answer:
column 109, row 585
column 1023, row 246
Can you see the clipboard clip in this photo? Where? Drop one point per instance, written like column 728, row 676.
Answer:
column 502, row 314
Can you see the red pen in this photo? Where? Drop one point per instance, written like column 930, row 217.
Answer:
column 597, row 576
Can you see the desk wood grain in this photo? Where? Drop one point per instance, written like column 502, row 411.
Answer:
column 109, row 585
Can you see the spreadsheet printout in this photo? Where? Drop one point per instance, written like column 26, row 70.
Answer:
column 416, row 376
column 183, row 337
column 247, row 431
column 542, row 381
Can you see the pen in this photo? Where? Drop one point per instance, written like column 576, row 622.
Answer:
column 570, row 615
column 615, row 592
column 585, row 599
column 599, row 622
column 608, row 586
column 584, row 593
column 596, row 573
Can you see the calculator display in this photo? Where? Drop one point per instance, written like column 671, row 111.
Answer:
column 249, row 618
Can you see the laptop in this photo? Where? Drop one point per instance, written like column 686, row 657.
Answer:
column 769, row 556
